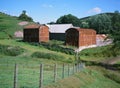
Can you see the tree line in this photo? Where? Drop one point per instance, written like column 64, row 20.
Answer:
column 104, row 23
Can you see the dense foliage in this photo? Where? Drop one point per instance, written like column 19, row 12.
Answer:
column 24, row 17
column 10, row 50
column 51, row 56
column 104, row 51
column 55, row 47
column 66, row 19
column 102, row 23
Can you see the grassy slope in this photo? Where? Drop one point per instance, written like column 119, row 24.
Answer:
column 98, row 53
column 30, row 48
column 29, row 66
column 9, row 24
column 87, row 78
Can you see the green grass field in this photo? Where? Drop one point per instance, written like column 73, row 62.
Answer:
column 88, row 78
column 28, row 69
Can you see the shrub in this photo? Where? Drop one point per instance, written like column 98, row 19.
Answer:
column 113, row 76
column 58, row 48
column 51, row 56
column 10, row 50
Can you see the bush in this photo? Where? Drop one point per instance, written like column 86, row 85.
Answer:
column 51, row 56
column 11, row 50
column 55, row 46
column 58, row 48
column 113, row 76
column 104, row 51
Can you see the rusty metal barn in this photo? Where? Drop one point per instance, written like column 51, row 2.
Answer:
column 36, row 33
column 80, row 37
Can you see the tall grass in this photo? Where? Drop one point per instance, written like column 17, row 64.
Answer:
column 51, row 56
column 11, row 50
column 55, row 46
column 104, row 51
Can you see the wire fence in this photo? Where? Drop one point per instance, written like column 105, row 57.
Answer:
column 35, row 76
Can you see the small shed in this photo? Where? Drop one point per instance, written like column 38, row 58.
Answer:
column 80, row 37
column 36, row 33
column 57, row 31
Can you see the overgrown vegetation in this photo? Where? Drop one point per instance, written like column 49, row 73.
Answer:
column 87, row 78
column 50, row 56
column 113, row 76
column 24, row 17
column 57, row 46
column 104, row 51
column 11, row 50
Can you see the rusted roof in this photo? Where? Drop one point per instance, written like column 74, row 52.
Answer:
column 32, row 26
column 82, row 29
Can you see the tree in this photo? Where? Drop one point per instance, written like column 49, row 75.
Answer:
column 115, row 32
column 68, row 19
column 101, row 23
column 24, row 17
column 84, row 24
column 51, row 22
column 116, row 21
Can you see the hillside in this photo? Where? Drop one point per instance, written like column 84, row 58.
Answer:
column 89, row 17
column 24, row 54
column 8, row 25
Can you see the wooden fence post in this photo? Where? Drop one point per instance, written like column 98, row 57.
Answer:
column 79, row 67
column 15, row 75
column 63, row 70
column 55, row 72
column 73, row 68
column 76, row 68
column 68, row 70
column 41, row 76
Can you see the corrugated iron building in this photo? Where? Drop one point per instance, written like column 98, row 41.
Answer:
column 36, row 33
column 80, row 37
column 57, row 31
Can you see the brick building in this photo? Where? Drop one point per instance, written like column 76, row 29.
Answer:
column 80, row 37
column 36, row 33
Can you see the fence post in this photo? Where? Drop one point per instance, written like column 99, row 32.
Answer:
column 68, row 70
column 73, row 68
column 41, row 76
column 63, row 70
column 78, row 67
column 55, row 72
column 15, row 75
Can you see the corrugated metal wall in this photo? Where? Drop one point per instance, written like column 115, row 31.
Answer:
column 40, row 34
column 80, row 37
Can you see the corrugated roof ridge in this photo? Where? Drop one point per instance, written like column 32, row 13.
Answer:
column 32, row 26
